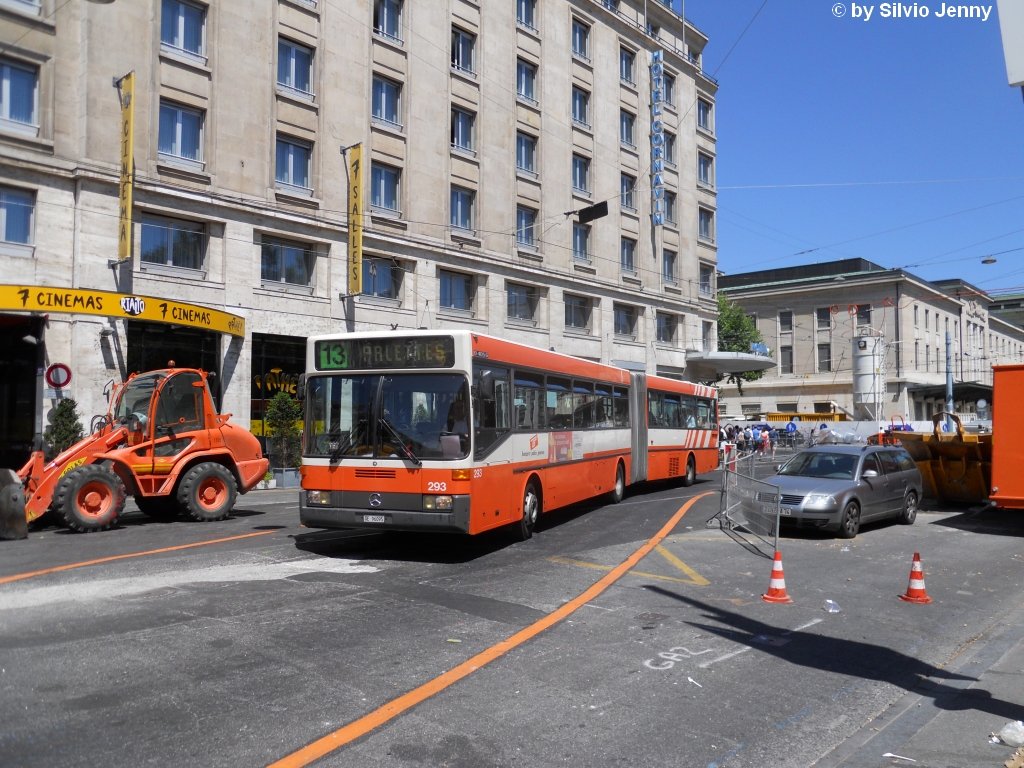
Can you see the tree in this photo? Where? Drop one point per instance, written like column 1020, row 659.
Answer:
column 736, row 332
column 282, row 417
column 65, row 428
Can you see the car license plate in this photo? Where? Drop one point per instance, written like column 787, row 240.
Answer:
column 767, row 509
column 785, row 511
column 375, row 519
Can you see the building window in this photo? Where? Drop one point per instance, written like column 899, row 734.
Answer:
column 625, row 321
column 785, row 322
column 293, row 162
column 462, row 130
column 462, row 208
column 463, row 45
column 667, row 325
column 172, row 242
column 283, row 262
column 707, row 338
column 926, row 316
column 704, row 170
column 384, row 187
column 627, row 121
column 627, row 258
column 670, row 148
column 627, row 184
column 580, row 39
column 16, row 212
column 706, row 224
column 917, row 317
column 382, row 279
column 456, row 291
column 707, row 280
column 581, row 242
column 182, row 28
column 577, row 312
column 522, row 302
column 824, row 358
column 526, row 153
column 581, row 173
column 526, row 222
column 824, row 318
column 670, row 90
column 20, row 96
column 863, row 314
column 627, row 61
column 526, row 14
column 580, row 107
column 786, row 359
column 295, row 68
column 704, row 114
column 927, row 358
column 526, row 81
column 181, row 134
column 668, row 266
column 387, row 19
column 387, row 103
column 670, row 207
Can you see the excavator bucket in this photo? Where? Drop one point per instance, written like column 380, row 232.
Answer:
column 956, row 468
column 13, row 524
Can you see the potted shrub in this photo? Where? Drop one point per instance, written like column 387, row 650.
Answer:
column 65, row 428
column 267, row 483
column 284, row 442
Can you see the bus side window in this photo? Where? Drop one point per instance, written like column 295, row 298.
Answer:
column 621, row 406
column 603, row 418
column 655, row 409
column 490, row 408
column 672, row 414
column 689, row 415
column 529, row 402
column 582, row 404
column 559, row 404
column 705, row 413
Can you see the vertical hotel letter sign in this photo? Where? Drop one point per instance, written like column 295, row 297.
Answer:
column 657, row 139
column 355, row 220
column 127, row 138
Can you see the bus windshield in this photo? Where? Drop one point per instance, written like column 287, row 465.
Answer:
column 416, row 416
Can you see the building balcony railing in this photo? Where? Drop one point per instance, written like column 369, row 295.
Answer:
column 394, row 40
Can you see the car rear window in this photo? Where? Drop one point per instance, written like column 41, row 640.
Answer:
column 906, row 463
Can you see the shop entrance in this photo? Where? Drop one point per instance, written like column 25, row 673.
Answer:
column 277, row 362
column 18, row 406
column 153, row 345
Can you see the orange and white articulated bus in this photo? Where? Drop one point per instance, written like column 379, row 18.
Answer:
column 458, row 431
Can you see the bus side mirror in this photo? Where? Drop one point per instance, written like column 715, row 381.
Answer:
column 485, row 386
column 300, row 388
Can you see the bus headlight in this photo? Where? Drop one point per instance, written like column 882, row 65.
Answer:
column 318, row 498
column 437, row 502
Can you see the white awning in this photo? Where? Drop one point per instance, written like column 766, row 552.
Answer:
column 729, row 362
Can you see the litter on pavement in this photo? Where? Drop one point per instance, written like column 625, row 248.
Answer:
column 1012, row 734
column 831, row 606
column 695, row 682
column 900, row 757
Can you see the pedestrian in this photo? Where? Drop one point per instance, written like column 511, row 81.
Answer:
column 722, row 434
column 773, row 437
column 766, row 439
column 755, row 435
column 747, row 437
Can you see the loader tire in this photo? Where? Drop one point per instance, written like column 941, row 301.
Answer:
column 158, row 507
column 207, row 492
column 89, row 498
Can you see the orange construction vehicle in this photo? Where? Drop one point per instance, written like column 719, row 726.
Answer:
column 161, row 441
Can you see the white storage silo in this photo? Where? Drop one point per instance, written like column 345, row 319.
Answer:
column 868, row 375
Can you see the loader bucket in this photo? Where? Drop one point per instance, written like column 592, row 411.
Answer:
column 13, row 524
column 956, row 468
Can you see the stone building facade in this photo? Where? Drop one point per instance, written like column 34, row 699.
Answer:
column 482, row 123
column 810, row 317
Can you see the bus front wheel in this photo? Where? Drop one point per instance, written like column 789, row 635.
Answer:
column 691, row 472
column 524, row 529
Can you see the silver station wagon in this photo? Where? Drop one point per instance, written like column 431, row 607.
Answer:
column 838, row 487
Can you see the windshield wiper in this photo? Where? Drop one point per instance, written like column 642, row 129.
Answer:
column 342, row 447
column 398, row 439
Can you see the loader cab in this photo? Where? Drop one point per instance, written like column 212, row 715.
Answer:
column 162, row 408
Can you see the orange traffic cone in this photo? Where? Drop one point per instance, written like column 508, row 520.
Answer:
column 777, row 586
column 915, row 591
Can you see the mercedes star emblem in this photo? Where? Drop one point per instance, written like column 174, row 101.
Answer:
column 374, row 499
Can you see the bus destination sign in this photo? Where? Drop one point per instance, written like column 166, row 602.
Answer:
column 358, row 354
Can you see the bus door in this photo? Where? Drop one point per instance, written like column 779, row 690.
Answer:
column 638, row 418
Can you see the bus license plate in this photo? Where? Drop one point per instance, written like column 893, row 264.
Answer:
column 374, row 519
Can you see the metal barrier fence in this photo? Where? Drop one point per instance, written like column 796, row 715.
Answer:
column 750, row 504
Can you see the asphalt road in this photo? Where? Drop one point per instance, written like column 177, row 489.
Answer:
column 239, row 653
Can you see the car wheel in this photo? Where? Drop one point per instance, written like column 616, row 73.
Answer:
column 909, row 514
column 849, row 523
column 524, row 528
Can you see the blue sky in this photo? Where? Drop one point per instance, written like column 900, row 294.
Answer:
column 808, row 98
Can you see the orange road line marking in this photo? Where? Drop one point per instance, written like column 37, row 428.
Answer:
column 366, row 723
column 30, row 574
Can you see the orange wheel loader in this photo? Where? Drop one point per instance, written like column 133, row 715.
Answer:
column 161, row 441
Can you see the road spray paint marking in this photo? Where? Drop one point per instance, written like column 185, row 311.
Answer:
column 30, row 574
column 727, row 757
column 699, row 580
column 746, row 648
column 695, row 578
column 802, row 713
column 358, row 728
column 810, row 623
column 848, row 689
column 671, row 656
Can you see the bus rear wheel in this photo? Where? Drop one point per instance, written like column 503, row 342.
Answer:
column 691, row 472
column 527, row 524
column 619, row 489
